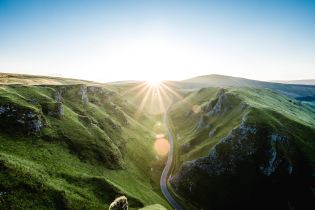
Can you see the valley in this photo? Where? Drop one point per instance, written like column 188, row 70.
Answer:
column 73, row 144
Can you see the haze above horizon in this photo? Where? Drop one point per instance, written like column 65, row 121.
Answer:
column 171, row 40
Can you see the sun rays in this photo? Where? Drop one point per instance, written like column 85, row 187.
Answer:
column 153, row 96
column 154, row 82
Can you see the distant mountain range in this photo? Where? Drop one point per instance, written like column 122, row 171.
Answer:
column 300, row 82
column 214, row 80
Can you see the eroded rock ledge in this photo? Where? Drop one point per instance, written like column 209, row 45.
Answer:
column 248, row 158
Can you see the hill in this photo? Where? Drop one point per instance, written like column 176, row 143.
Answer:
column 243, row 148
column 73, row 144
column 70, row 144
column 291, row 90
column 25, row 79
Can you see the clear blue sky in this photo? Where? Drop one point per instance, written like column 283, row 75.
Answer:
column 118, row 40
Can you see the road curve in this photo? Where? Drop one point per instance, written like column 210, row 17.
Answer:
column 163, row 180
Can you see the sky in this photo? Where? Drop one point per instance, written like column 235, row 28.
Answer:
column 162, row 40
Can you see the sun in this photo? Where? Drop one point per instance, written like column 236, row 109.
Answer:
column 154, row 81
column 153, row 94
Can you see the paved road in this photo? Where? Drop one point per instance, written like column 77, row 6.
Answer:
column 163, row 180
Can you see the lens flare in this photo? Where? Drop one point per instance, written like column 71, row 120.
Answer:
column 161, row 145
column 159, row 136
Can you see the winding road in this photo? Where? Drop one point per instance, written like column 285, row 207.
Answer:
column 163, row 180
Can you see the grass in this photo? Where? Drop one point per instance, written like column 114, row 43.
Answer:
column 268, row 111
column 100, row 150
column 84, row 159
column 264, row 106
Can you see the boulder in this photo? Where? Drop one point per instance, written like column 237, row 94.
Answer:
column 120, row 203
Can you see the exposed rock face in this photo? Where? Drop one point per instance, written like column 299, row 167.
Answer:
column 82, row 91
column 212, row 132
column 275, row 160
column 219, row 105
column 224, row 156
column 95, row 90
column 201, row 123
column 243, row 163
column 119, row 203
column 243, row 106
column 53, row 109
column 83, row 94
column 58, row 95
column 25, row 120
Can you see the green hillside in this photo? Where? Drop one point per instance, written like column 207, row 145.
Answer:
column 244, row 148
column 74, row 146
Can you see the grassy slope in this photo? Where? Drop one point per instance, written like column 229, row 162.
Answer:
column 265, row 102
column 263, row 107
column 68, row 164
column 185, row 122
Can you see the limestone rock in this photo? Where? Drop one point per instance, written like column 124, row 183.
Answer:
column 53, row 109
column 26, row 120
column 83, row 94
column 201, row 123
column 247, row 149
column 212, row 132
column 58, row 95
column 120, row 203
column 219, row 105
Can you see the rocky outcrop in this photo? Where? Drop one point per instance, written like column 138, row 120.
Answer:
column 219, row 105
column 83, row 94
column 19, row 119
column 212, row 132
column 202, row 123
column 223, row 157
column 54, row 109
column 57, row 95
column 100, row 91
column 120, row 203
column 69, row 91
column 275, row 160
column 247, row 157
